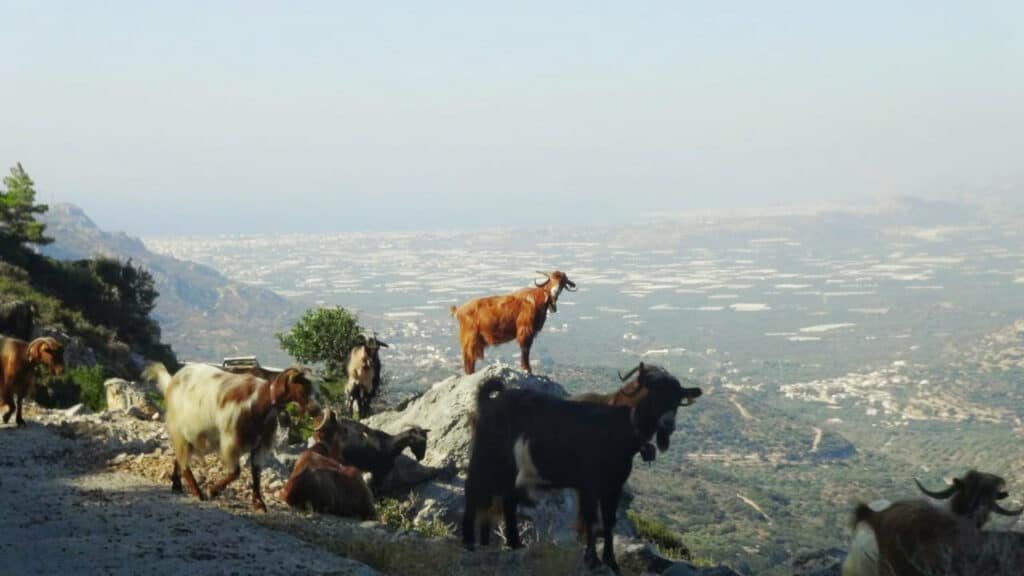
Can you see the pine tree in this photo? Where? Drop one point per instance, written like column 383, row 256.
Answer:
column 18, row 210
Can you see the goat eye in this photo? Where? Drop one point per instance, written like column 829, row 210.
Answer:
column 1002, row 495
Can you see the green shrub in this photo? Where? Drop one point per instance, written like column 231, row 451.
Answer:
column 90, row 385
column 396, row 514
column 670, row 544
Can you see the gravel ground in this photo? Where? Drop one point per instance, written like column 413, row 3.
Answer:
column 70, row 507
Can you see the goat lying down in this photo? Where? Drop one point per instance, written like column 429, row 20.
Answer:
column 209, row 409
column 374, row 451
column 945, row 536
column 322, row 483
column 525, row 439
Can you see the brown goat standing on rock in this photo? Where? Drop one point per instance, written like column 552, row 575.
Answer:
column 18, row 360
column 495, row 320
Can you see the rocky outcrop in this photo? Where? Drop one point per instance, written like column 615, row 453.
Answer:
column 447, row 409
column 130, row 397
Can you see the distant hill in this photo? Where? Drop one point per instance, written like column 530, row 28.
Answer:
column 203, row 314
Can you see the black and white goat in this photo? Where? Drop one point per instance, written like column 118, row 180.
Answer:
column 525, row 439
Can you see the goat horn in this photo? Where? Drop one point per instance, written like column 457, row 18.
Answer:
column 544, row 274
column 1000, row 510
column 941, row 495
column 630, row 373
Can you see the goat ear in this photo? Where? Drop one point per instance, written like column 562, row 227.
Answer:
column 35, row 349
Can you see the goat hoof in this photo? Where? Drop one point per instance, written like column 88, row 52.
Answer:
column 7, row 418
column 612, row 565
column 469, row 546
column 20, row 423
column 259, row 506
column 590, row 559
column 176, row 488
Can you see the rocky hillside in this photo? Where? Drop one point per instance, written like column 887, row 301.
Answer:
column 203, row 314
column 109, row 471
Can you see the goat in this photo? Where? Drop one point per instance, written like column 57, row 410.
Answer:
column 321, row 482
column 629, row 395
column 916, row 537
column 18, row 360
column 524, row 439
column 374, row 451
column 364, row 372
column 210, row 409
column 495, row 320
column 16, row 319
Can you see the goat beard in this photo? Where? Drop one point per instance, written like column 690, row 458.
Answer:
column 662, row 439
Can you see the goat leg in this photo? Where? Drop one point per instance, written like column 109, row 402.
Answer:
column 525, row 343
column 609, row 504
column 220, row 486
column 176, row 477
column 257, row 498
column 511, row 522
column 469, row 525
column 9, row 401
column 18, row 419
column 191, row 481
column 588, row 503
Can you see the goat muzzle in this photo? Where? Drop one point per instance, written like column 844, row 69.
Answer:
column 648, row 452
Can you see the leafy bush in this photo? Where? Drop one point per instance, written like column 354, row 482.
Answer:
column 670, row 544
column 396, row 514
column 90, row 385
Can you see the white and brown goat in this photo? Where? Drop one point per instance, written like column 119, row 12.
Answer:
column 18, row 361
column 364, row 374
column 944, row 536
column 209, row 409
column 519, row 316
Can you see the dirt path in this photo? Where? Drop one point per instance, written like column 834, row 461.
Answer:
column 817, row 439
column 65, row 512
column 743, row 411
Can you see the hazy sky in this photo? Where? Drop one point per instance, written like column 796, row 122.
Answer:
column 204, row 117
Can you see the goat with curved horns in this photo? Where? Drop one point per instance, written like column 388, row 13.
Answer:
column 494, row 320
column 364, row 373
column 920, row 538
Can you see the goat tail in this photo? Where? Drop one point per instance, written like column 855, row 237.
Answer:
column 490, row 386
column 158, row 372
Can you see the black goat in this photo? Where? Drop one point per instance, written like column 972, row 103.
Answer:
column 525, row 439
column 371, row 450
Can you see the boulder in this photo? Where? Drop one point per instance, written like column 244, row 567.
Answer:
column 130, row 397
column 447, row 409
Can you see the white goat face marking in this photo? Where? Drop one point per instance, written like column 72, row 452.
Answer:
column 880, row 505
column 527, row 475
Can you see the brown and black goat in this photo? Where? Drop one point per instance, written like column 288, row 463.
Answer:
column 376, row 451
column 923, row 538
column 518, row 316
column 322, row 483
column 525, row 439
column 209, row 409
column 18, row 361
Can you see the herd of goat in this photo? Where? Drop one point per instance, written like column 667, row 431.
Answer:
column 523, row 440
